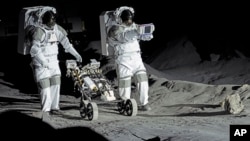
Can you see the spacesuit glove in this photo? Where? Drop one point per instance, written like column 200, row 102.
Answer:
column 78, row 58
column 72, row 51
column 146, row 37
column 41, row 59
column 45, row 65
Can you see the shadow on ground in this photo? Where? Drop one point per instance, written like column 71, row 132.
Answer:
column 15, row 125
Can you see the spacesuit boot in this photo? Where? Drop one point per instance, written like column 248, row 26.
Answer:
column 145, row 107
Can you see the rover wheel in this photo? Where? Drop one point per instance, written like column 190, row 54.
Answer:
column 131, row 107
column 92, row 111
column 82, row 109
column 121, row 107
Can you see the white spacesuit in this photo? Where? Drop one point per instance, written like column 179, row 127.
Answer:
column 123, row 37
column 44, row 53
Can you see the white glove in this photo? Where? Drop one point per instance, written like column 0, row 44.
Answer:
column 41, row 59
column 45, row 65
column 146, row 37
column 72, row 51
column 78, row 58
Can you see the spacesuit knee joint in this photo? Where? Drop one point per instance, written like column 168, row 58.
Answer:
column 55, row 80
column 44, row 83
column 124, row 83
column 140, row 77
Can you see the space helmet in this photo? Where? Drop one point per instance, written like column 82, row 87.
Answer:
column 49, row 19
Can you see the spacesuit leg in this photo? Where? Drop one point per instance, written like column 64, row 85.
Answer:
column 142, row 86
column 124, row 76
column 55, row 83
column 44, row 89
column 125, row 88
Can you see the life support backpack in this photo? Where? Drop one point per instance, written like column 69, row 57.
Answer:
column 29, row 18
column 107, row 20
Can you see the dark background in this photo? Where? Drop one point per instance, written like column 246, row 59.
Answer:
column 211, row 26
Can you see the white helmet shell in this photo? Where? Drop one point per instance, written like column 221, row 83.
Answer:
column 119, row 10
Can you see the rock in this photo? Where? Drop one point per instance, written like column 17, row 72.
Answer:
column 233, row 104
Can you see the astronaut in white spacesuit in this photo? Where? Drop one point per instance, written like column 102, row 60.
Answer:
column 124, row 38
column 44, row 53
